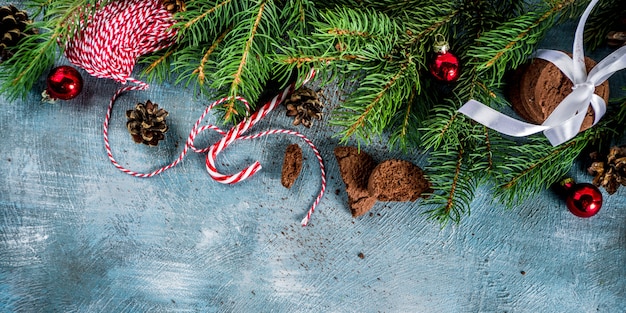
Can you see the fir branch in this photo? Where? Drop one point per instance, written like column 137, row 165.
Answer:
column 406, row 129
column 458, row 171
column 200, row 71
column 185, row 63
column 510, row 44
column 489, row 150
column 37, row 53
column 604, row 18
column 403, row 127
column 453, row 184
column 533, row 167
column 298, row 14
column 248, row 47
column 426, row 23
column 244, row 64
column 158, row 65
column 302, row 60
column 372, row 106
column 203, row 20
column 451, row 203
column 352, row 31
column 441, row 131
column 343, row 42
column 18, row 76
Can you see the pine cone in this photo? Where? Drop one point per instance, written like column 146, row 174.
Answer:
column 305, row 105
column 174, row 6
column 616, row 39
column 13, row 23
column 146, row 123
column 609, row 172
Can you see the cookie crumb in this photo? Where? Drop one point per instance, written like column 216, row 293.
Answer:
column 292, row 165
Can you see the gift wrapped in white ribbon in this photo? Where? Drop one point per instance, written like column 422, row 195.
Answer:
column 566, row 119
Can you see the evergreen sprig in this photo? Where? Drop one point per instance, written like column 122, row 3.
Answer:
column 454, row 183
column 509, row 45
column 240, row 47
column 55, row 22
column 604, row 18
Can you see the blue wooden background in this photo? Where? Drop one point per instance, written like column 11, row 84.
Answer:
column 77, row 235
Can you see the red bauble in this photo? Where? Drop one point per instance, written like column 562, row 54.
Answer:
column 583, row 200
column 64, row 82
column 445, row 67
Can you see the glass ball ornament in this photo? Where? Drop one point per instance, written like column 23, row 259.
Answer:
column 445, row 66
column 64, row 82
column 582, row 199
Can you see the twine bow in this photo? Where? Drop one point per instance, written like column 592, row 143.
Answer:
column 565, row 121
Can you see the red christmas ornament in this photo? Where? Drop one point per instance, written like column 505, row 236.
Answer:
column 583, row 200
column 445, row 65
column 64, row 82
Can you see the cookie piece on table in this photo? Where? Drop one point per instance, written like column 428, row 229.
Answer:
column 355, row 167
column 292, row 165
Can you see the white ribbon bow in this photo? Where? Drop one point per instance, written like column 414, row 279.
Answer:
column 566, row 119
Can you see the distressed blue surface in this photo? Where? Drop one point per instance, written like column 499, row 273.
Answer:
column 77, row 235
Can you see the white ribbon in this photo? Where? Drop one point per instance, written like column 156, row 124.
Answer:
column 566, row 119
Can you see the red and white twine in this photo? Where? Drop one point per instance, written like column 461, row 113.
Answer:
column 109, row 45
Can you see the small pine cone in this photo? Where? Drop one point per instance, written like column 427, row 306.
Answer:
column 146, row 123
column 616, row 39
column 174, row 6
column 609, row 172
column 13, row 23
column 305, row 105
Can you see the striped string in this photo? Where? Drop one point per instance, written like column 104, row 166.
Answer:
column 109, row 45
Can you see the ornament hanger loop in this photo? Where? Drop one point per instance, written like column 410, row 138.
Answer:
column 441, row 45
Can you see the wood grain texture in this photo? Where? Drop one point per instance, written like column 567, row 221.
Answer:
column 77, row 235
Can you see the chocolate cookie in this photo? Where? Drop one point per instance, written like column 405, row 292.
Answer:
column 292, row 165
column 540, row 86
column 397, row 180
column 355, row 167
